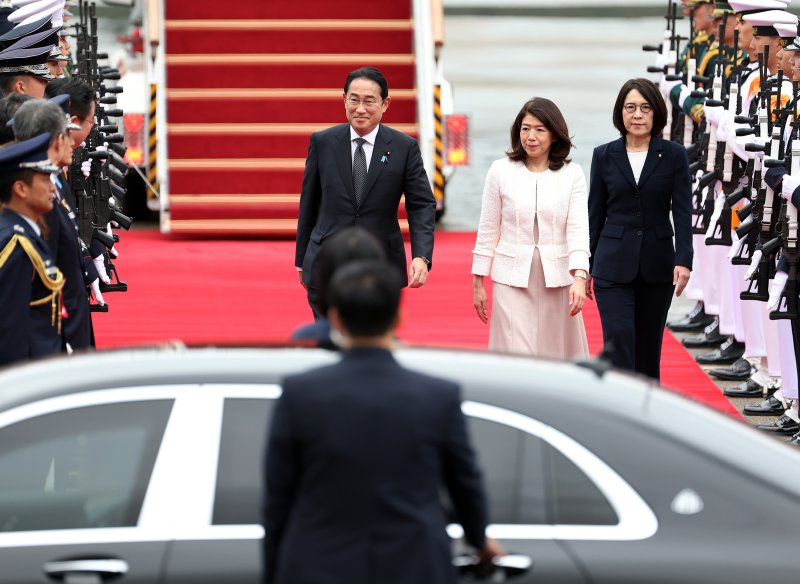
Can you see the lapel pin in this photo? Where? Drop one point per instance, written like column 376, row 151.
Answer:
column 659, row 154
column 385, row 157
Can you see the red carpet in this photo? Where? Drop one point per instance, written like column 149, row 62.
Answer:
column 224, row 291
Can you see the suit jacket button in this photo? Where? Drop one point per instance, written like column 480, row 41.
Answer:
column 358, row 216
column 639, row 232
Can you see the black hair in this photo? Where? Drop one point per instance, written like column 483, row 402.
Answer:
column 8, row 107
column 7, row 180
column 81, row 95
column 548, row 113
column 366, row 294
column 651, row 95
column 346, row 245
column 370, row 73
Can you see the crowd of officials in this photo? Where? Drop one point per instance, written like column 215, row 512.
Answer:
column 52, row 274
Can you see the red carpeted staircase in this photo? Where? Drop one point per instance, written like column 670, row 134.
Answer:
column 248, row 81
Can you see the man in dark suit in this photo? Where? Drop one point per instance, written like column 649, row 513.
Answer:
column 355, row 175
column 357, row 452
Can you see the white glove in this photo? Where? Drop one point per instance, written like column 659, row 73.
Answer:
column 113, row 251
column 96, row 291
column 736, row 245
column 713, row 114
column 719, row 202
column 724, row 129
column 776, row 289
column 683, row 96
column 86, row 168
column 99, row 263
column 754, row 261
column 788, row 186
column 662, row 60
column 666, row 86
column 103, row 148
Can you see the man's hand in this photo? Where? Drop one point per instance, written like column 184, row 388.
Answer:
column 577, row 296
column 755, row 259
column 776, row 289
column 491, row 549
column 479, row 300
column 417, row 273
column 302, row 282
column 680, row 277
column 95, row 284
column 589, row 291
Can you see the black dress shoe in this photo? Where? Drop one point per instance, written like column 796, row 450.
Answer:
column 771, row 406
column 795, row 440
column 738, row 371
column 749, row 388
column 730, row 350
column 783, row 425
column 696, row 320
column 710, row 336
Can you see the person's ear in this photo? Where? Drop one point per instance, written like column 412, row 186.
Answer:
column 335, row 319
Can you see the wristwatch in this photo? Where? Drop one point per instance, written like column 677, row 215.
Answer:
column 580, row 274
column 426, row 260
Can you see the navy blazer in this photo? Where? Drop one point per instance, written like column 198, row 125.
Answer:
column 629, row 223
column 71, row 258
column 356, row 457
column 327, row 201
column 25, row 331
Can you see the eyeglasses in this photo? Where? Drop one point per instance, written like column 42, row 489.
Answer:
column 367, row 102
column 645, row 108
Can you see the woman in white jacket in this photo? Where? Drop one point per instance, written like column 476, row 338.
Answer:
column 533, row 240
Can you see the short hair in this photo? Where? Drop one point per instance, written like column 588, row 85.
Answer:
column 366, row 294
column 346, row 245
column 81, row 95
column 370, row 73
column 37, row 116
column 8, row 107
column 7, row 180
column 7, row 81
column 548, row 113
column 651, row 95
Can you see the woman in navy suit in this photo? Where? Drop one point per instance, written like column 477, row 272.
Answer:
column 636, row 183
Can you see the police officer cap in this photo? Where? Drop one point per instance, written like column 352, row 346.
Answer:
column 27, row 155
column 750, row 6
column 21, row 31
column 30, row 61
column 764, row 22
column 62, row 101
column 721, row 8
column 37, row 10
column 46, row 38
column 55, row 54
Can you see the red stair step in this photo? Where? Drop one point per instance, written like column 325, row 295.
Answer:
column 235, row 109
column 260, row 74
column 275, row 9
column 254, row 180
column 310, row 40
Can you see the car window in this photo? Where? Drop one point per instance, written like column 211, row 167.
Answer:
column 237, row 498
column 86, row 467
column 506, row 455
column 576, row 500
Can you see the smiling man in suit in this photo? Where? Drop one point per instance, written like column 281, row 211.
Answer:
column 355, row 175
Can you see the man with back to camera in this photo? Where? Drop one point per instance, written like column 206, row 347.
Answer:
column 355, row 175
column 358, row 452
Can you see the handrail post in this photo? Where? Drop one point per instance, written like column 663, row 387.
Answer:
column 425, row 76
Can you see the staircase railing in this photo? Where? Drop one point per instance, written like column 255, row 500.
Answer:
column 425, row 62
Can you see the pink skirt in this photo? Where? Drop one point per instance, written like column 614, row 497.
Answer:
column 535, row 320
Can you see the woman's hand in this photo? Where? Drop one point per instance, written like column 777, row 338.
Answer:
column 479, row 299
column 577, row 296
column 680, row 277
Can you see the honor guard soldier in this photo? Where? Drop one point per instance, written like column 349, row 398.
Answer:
column 25, row 71
column 30, row 283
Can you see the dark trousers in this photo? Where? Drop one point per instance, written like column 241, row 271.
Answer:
column 313, row 301
column 633, row 316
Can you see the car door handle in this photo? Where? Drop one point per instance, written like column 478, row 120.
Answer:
column 501, row 568
column 103, row 568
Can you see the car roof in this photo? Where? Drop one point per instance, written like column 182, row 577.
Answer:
column 510, row 380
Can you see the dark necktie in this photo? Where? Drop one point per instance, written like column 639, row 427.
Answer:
column 359, row 170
